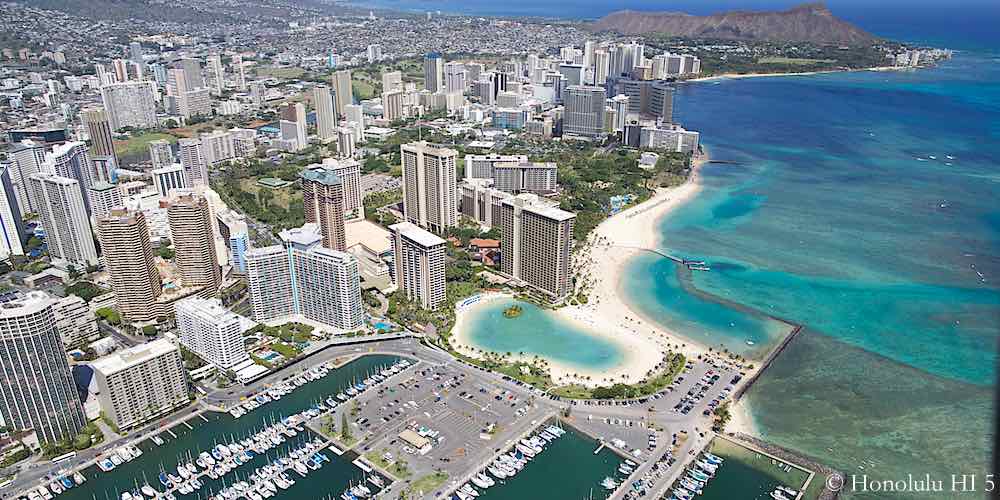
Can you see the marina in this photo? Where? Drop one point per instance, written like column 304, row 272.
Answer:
column 571, row 452
column 267, row 449
column 727, row 466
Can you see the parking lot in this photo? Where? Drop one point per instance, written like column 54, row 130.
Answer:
column 464, row 416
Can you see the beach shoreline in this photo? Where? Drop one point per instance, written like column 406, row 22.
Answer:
column 738, row 76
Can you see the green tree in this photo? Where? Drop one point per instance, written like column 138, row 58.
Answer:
column 345, row 430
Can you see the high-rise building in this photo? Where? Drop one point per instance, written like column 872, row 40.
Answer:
column 345, row 142
column 192, row 155
column 72, row 161
column 295, row 112
column 65, row 219
column 169, row 178
column 128, row 255
column 374, row 52
column 99, row 129
column 193, row 78
column 211, row 331
column 419, row 260
column 526, row 177
column 584, row 111
column 75, row 322
column 429, row 185
column 218, row 78
column 341, row 83
column 537, row 244
column 326, row 114
column 130, row 104
column 455, row 77
column 194, row 241
column 648, row 98
column 28, row 158
column 135, row 52
column 234, row 232
column 104, row 196
column 36, row 387
column 217, row 147
column 138, row 384
column 239, row 72
column 484, row 166
column 12, row 233
column 601, row 67
column 479, row 201
column 323, row 200
column 161, row 153
column 303, row 279
column 349, row 173
column 392, row 81
column 434, row 72
column 392, row 105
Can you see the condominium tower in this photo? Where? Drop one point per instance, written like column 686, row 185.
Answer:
column 326, row 113
column 194, row 241
column 211, row 331
column 419, row 257
column 128, row 255
column 130, row 104
column 429, row 186
column 100, row 133
column 36, row 387
column 65, row 219
column 302, row 279
column 323, row 201
column 140, row 383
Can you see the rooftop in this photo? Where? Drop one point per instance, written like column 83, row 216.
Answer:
column 417, row 234
column 132, row 356
column 369, row 235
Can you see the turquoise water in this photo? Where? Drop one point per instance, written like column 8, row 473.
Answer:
column 332, row 478
column 537, row 332
column 830, row 221
column 566, row 470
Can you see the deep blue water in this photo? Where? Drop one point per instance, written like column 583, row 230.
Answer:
column 831, row 221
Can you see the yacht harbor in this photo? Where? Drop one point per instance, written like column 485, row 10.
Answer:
column 266, row 451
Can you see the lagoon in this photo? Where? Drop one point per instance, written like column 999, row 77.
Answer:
column 537, row 332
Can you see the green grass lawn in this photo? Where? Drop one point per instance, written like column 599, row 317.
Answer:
column 363, row 89
column 426, row 484
column 138, row 145
column 281, row 73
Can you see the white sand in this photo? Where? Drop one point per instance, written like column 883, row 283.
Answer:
column 741, row 420
column 737, row 76
column 600, row 265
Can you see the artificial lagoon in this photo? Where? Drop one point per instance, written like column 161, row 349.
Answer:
column 537, row 332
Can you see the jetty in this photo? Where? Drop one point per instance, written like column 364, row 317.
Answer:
column 740, row 391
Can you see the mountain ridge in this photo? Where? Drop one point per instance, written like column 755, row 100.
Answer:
column 810, row 22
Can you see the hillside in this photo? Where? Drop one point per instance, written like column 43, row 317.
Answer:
column 804, row 23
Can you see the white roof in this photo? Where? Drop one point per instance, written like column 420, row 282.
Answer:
column 132, row 356
column 417, row 234
column 368, row 234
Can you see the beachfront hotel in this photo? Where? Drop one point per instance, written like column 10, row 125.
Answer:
column 512, row 173
column 429, row 186
column 480, row 201
column 36, row 388
column 302, row 280
column 419, row 259
column 537, row 244
column 140, row 383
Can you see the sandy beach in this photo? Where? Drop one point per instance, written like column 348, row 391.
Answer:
column 606, row 314
column 737, row 76
column 741, row 420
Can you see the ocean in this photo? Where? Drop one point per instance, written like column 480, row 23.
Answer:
column 836, row 217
